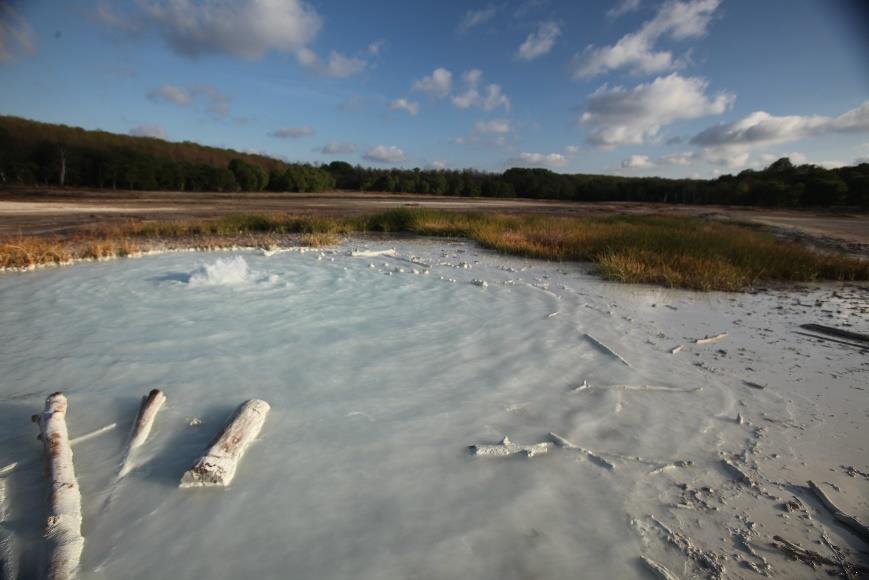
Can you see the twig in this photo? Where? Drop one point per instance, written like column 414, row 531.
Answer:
column 607, row 349
column 710, row 339
column 658, row 569
column 592, row 456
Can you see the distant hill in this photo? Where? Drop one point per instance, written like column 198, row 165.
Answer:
column 34, row 153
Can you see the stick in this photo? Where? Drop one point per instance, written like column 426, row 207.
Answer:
column 677, row 349
column 217, row 467
column 810, row 557
column 847, row 520
column 507, row 447
column 148, row 410
column 63, row 527
column 592, row 456
column 710, row 339
column 607, row 349
column 6, row 469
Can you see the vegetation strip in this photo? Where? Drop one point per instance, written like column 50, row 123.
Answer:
column 673, row 252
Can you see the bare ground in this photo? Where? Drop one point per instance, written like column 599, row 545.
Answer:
column 61, row 211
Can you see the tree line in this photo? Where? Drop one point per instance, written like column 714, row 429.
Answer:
column 34, row 153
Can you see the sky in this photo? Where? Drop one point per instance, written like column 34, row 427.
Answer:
column 675, row 88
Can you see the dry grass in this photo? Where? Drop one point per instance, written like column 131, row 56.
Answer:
column 673, row 252
column 319, row 239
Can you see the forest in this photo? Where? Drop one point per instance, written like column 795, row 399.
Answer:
column 42, row 154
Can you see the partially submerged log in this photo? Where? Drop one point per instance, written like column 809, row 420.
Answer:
column 658, row 569
column 217, row 467
column 63, row 527
column 592, row 456
column 148, row 410
column 849, row 521
column 507, row 447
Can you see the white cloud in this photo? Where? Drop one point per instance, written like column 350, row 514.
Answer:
column 677, row 20
column 337, row 149
column 491, row 99
column 761, row 128
column 384, row 154
column 634, row 116
column 474, row 18
column 375, row 47
column 215, row 101
column 292, row 132
column 16, row 36
column 550, row 160
column 539, row 42
column 437, row 164
column 338, row 65
column 646, row 162
column 438, row 83
column 178, row 95
column 242, row 28
column 411, row 107
column 571, row 150
column 623, row 7
column 496, row 127
column 637, row 162
column 148, row 130
column 831, row 164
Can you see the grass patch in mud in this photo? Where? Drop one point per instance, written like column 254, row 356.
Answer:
column 673, row 252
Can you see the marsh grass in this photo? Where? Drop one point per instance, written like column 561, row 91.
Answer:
column 673, row 252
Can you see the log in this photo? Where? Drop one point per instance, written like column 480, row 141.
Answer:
column 607, row 350
column 507, row 447
column 217, row 467
column 63, row 526
column 658, row 569
column 148, row 410
column 711, row 339
column 847, row 520
column 592, row 456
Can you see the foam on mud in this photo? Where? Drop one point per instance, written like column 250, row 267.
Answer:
column 223, row 272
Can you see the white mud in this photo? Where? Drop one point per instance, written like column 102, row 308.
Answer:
column 380, row 379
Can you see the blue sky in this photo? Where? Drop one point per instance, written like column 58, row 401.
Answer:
column 632, row 87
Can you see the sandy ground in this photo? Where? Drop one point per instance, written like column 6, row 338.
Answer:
column 382, row 367
column 60, row 211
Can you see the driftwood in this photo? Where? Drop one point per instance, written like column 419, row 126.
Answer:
column 837, row 332
column 847, row 520
column 711, row 339
column 148, row 410
column 217, row 467
column 741, row 475
column 607, row 349
column 677, row 349
column 507, row 447
column 63, row 527
column 753, row 385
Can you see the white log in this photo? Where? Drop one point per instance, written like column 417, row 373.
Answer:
column 507, row 447
column 710, row 339
column 592, row 456
column 63, row 527
column 148, row 410
column 217, row 467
